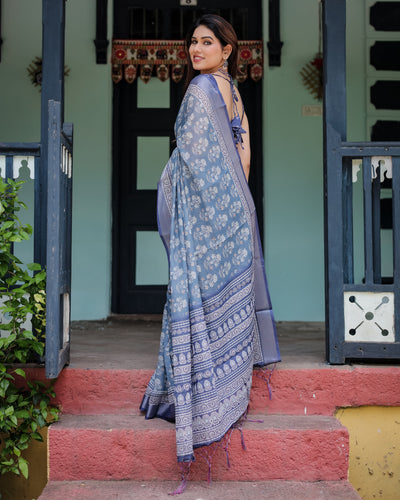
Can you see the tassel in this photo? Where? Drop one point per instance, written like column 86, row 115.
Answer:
column 266, row 374
column 208, row 455
column 225, row 447
column 207, row 452
column 185, row 471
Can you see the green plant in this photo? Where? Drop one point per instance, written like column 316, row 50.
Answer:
column 24, row 405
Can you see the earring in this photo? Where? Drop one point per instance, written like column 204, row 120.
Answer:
column 225, row 65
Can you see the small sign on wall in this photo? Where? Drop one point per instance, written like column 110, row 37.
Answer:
column 311, row 110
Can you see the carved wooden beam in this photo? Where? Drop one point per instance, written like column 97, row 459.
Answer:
column 274, row 44
column 101, row 41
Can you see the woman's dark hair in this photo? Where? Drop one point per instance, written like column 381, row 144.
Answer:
column 224, row 32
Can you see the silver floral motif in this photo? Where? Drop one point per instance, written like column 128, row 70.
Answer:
column 208, row 342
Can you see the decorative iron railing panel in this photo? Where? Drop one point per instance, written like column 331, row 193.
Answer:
column 13, row 157
column 368, row 307
column 361, row 185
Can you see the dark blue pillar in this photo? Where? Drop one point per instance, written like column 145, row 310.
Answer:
column 53, row 17
column 334, row 16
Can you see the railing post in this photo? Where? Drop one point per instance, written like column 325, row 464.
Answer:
column 348, row 246
column 53, row 309
column 396, row 241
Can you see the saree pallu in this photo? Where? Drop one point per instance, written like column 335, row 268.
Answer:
column 217, row 321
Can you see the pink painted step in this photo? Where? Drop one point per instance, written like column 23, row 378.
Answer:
column 158, row 490
column 114, row 447
column 310, row 391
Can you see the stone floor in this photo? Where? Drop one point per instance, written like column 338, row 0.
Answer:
column 131, row 342
column 158, row 490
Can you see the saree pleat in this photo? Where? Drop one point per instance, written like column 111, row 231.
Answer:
column 217, row 321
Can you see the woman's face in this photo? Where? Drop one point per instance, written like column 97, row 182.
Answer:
column 206, row 52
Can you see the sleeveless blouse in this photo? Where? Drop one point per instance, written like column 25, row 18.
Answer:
column 236, row 122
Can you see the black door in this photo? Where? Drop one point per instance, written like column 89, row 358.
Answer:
column 143, row 119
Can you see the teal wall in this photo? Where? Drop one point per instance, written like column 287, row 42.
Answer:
column 88, row 94
column 19, row 99
column 293, row 172
column 293, row 161
column 88, row 105
column 293, row 167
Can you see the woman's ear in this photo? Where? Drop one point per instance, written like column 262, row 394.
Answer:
column 227, row 51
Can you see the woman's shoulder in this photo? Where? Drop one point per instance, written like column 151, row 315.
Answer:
column 205, row 81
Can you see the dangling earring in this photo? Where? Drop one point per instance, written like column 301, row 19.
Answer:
column 225, row 65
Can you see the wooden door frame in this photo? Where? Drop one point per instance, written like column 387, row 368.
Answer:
column 249, row 88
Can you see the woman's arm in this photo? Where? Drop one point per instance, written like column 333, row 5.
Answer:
column 244, row 148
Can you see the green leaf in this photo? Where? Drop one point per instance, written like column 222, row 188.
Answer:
column 7, row 224
column 36, row 436
column 39, row 348
column 3, row 268
column 24, row 438
column 22, row 414
column 41, row 421
column 23, row 466
column 27, row 334
column 34, row 266
column 20, row 372
column 4, row 384
column 25, row 235
column 9, row 411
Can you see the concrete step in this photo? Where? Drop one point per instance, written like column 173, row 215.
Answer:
column 158, row 490
column 115, row 447
column 303, row 391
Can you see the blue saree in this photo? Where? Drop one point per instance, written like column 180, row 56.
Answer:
column 217, row 321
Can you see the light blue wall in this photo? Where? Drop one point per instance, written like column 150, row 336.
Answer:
column 19, row 99
column 293, row 172
column 293, row 157
column 88, row 94
column 88, row 105
column 293, row 168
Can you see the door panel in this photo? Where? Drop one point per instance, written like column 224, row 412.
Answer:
column 151, row 259
column 154, row 94
column 143, row 122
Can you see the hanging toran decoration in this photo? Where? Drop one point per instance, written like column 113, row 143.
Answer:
column 312, row 73
column 130, row 57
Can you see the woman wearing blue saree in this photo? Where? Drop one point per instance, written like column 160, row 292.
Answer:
column 218, row 322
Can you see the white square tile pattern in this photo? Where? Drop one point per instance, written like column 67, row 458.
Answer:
column 369, row 317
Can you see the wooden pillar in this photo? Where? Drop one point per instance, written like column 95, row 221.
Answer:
column 53, row 18
column 334, row 16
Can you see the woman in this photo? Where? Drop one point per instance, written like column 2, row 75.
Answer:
column 217, row 321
